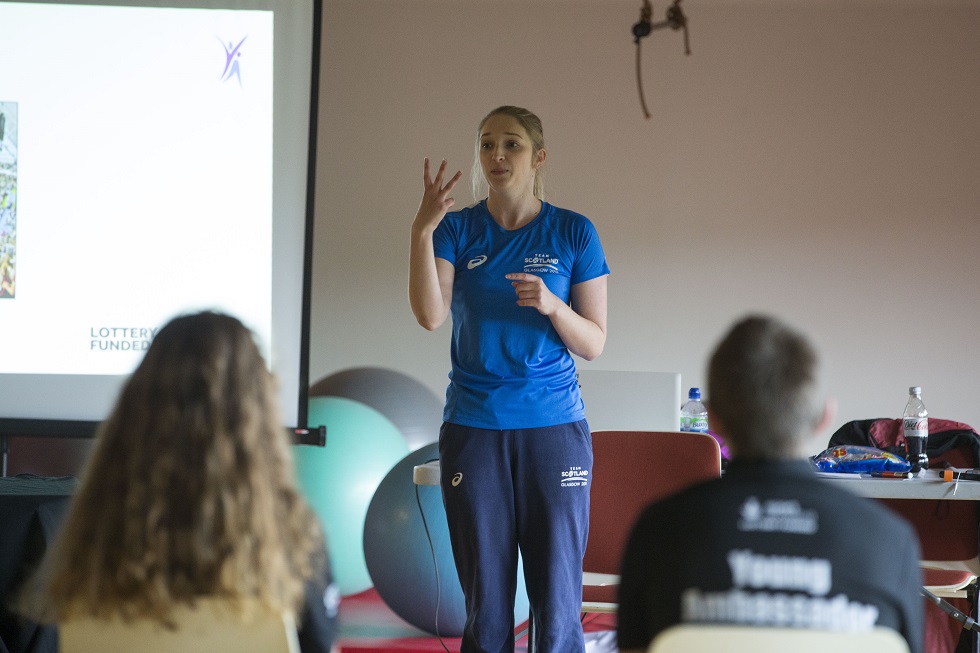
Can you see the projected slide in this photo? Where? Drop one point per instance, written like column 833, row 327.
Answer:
column 8, row 200
column 136, row 181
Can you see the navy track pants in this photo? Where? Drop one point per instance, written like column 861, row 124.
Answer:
column 527, row 490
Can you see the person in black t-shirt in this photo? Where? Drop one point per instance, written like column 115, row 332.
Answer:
column 770, row 543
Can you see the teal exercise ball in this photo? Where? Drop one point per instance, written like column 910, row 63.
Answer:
column 340, row 479
column 411, row 405
column 414, row 572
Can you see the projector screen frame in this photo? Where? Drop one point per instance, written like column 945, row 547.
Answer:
column 301, row 433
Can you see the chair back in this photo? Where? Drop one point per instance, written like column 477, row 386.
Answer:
column 739, row 639
column 632, row 469
column 210, row 627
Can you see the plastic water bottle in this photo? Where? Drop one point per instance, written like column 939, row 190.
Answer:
column 915, row 428
column 694, row 416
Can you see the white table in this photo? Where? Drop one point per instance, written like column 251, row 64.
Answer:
column 927, row 486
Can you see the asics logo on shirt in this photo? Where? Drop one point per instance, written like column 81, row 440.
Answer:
column 458, row 478
column 475, row 262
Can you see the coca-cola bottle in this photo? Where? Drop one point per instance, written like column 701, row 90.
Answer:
column 915, row 427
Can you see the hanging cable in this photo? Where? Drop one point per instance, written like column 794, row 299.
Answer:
column 675, row 20
column 640, row 30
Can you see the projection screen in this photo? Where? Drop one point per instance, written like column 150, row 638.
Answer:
column 156, row 158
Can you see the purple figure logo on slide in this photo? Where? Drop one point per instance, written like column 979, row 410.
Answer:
column 232, row 55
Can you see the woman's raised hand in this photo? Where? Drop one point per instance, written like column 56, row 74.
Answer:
column 436, row 200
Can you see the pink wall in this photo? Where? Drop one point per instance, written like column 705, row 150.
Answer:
column 819, row 161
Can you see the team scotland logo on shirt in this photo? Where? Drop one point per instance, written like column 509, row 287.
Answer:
column 539, row 263
column 575, row 477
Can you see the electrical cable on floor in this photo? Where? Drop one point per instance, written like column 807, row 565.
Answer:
column 435, row 565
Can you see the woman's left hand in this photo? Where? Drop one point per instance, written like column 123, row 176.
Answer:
column 532, row 291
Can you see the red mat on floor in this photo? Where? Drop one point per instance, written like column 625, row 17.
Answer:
column 368, row 625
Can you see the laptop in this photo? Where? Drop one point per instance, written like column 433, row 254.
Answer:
column 631, row 401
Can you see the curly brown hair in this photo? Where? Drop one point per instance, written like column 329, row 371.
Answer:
column 189, row 491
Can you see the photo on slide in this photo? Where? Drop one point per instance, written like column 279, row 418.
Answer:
column 8, row 200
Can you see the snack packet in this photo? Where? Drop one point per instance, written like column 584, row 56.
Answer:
column 855, row 459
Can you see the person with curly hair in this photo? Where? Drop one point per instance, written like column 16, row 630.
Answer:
column 189, row 494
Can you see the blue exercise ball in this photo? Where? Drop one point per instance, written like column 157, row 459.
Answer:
column 399, row 558
column 339, row 480
column 408, row 403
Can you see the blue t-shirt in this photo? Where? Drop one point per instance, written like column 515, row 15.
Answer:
column 510, row 370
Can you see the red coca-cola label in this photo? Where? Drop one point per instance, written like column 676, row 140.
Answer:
column 915, row 424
